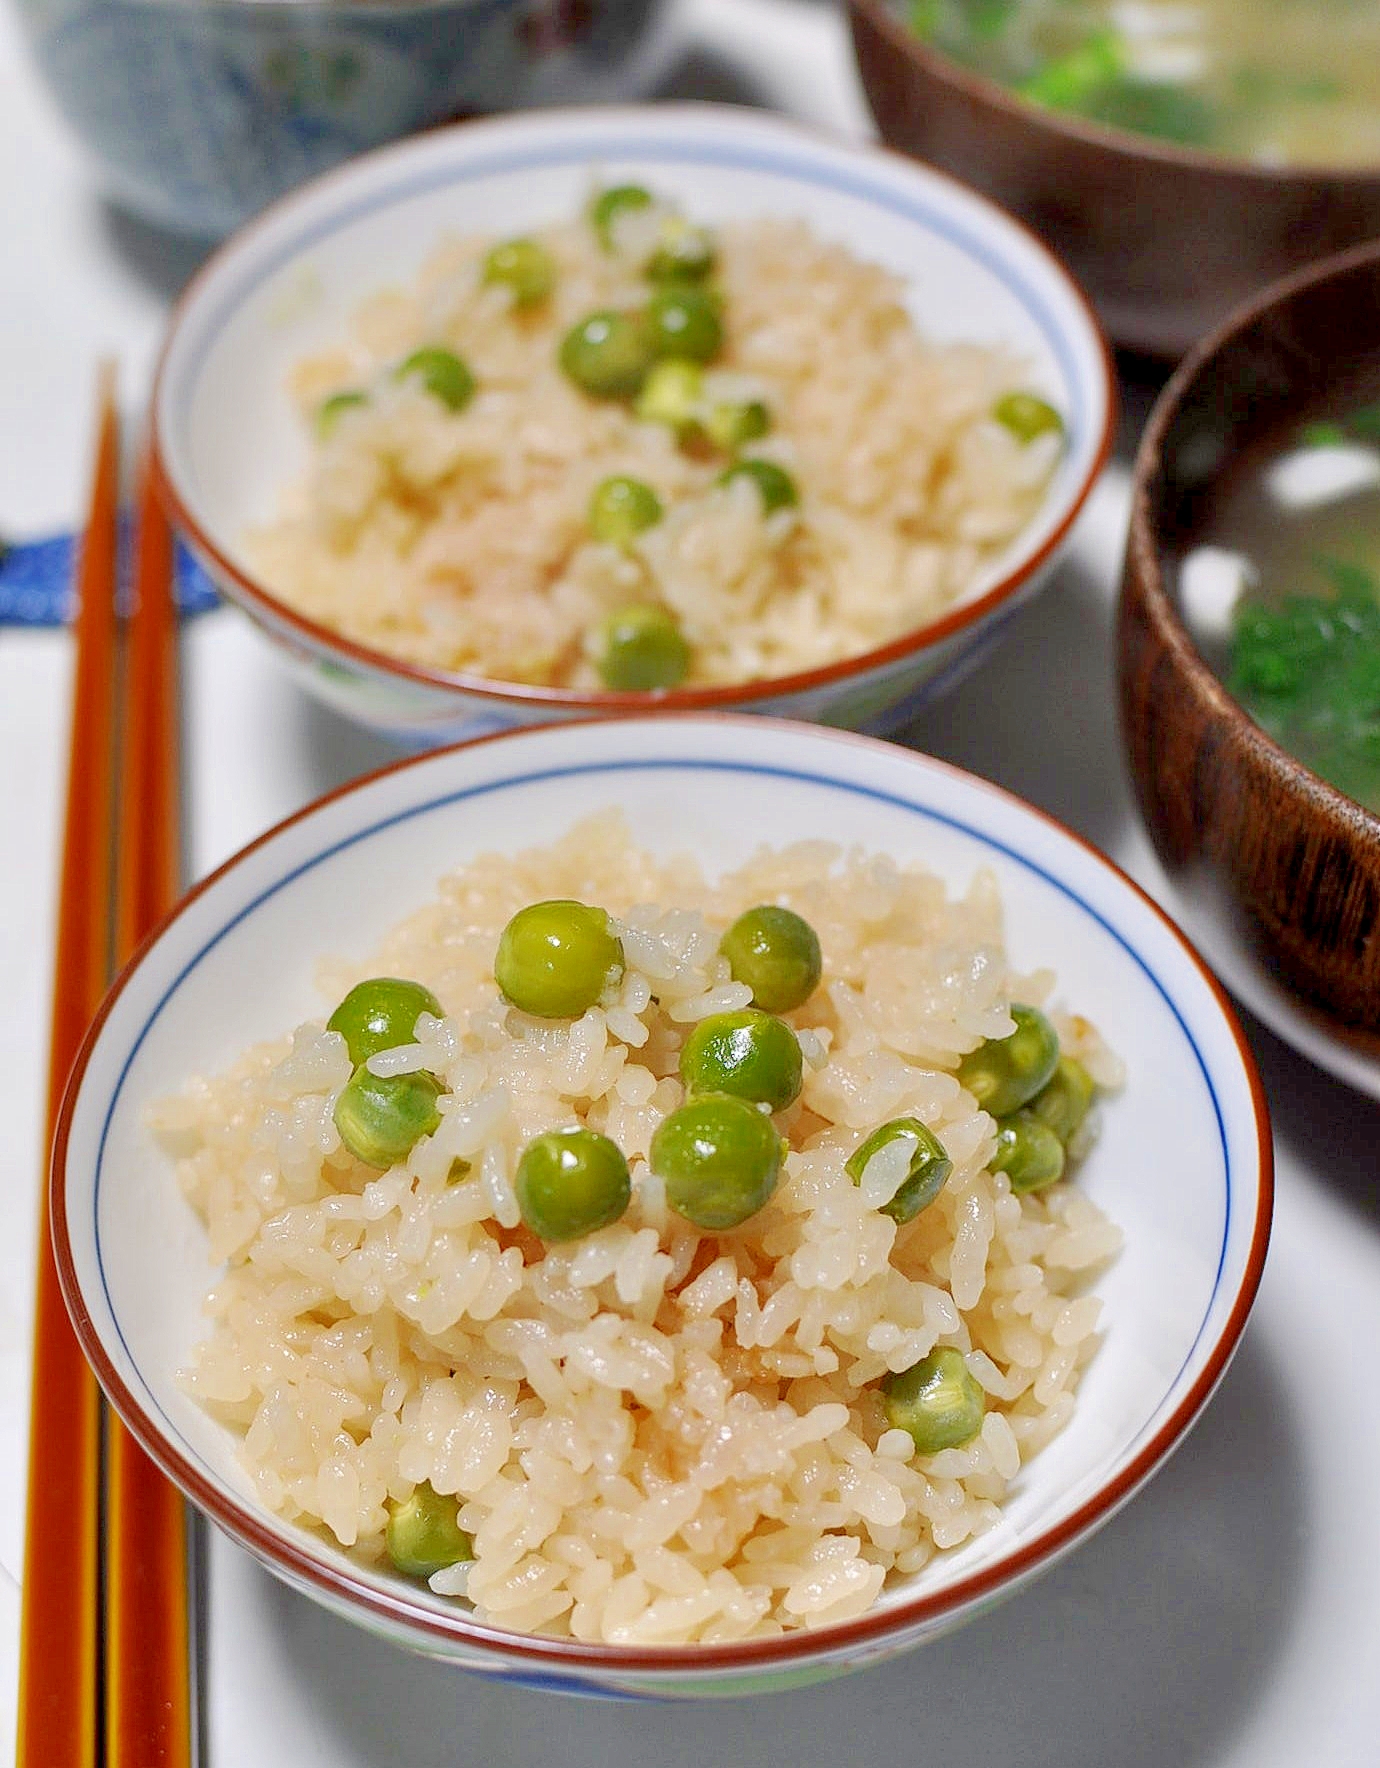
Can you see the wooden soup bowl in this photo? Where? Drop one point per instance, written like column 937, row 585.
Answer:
column 1225, row 804
column 1167, row 240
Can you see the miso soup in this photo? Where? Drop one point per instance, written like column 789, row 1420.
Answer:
column 1275, row 81
column 1283, row 597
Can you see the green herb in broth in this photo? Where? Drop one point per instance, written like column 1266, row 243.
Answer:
column 988, row 18
column 1151, row 107
column 983, row 20
column 1308, row 672
column 1324, row 435
column 1365, row 422
column 1271, row 80
column 1095, row 81
column 1360, row 425
column 1264, row 87
column 1070, row 81
column 1282, row 592
column 1350, row 580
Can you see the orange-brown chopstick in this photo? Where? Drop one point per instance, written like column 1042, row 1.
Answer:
column 59, row 1638
column 147, row 798
column 148, row 1644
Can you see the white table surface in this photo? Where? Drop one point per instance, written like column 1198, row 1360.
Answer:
column 1227, row 1617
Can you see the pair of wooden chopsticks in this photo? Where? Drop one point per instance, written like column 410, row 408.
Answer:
column 105, row 1637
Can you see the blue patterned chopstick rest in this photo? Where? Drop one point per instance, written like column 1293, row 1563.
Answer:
column 36, row 580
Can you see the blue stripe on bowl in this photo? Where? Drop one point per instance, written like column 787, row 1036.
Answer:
column 657, row 151
column 683, row 765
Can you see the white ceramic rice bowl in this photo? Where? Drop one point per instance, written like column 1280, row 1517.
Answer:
column 228, row 437
column 1183, row 1163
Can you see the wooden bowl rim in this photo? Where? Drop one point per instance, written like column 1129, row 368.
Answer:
column 1316, row 180
column 1144, row 577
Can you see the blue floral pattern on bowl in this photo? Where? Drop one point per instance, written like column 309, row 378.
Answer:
column 199, row 115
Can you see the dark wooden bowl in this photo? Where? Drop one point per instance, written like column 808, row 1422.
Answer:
column 1167, row 240
column 1223, row 802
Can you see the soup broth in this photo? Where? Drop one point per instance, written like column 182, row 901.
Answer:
column 1275, row 81
column 1285, row 601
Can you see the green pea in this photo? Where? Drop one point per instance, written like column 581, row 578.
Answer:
column 671, row 395
column 684, row 252
column 423, row 1535
column 380, row 1014
column 331, row 410
column 775, row 486
column 621, row 508
column 684, row 323
column 607, row 354
column 936, row 1402
column 381, row 1116
column 926, row 1176
column 618, row 199
column 570, row 1182
column 748, row 1054
column 1063, row 1103
column 523, row 266
column 442, row 373
column 556, row 958
column 719, row 1158
column 775, row 952
column 1028, row 1152
column 1027, row 416
column 1005, row 1073
column 729, row 426
column 641, row 649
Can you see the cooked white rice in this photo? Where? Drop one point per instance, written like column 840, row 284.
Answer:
column 460, row 539
column 653, row 1434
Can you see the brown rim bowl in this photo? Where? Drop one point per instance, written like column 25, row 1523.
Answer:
column 236, row 963
column 1226, row 806
column 1167, row 240
column 288, row 282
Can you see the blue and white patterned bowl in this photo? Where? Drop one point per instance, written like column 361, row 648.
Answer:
column 1183, row 1163
column 197, row 113
column 229, row 438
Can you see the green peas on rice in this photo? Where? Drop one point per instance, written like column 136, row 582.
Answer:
column 926, row 1174
column 621, row 508
column 1005, row 1073
column 749, row 1054
column 571, row 1182
column 442, row 373
column 381, row 1013
column 774, row 484
column 719, row 1159
column 1028, row 1152
column 424, row 1536
column 936, row 1402
column 555, row 959
column 524, row 267
column 608, row 205
column 1064, row 1101
column 641, row 649
column 381, row 1117
column 775, row 953
column 608, row 354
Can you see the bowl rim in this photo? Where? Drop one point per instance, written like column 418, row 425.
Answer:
column 1143, row 551
column 252, row 1528
column 1125, row 143
column 262, row 603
